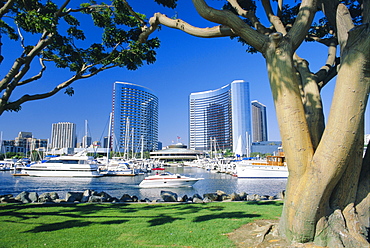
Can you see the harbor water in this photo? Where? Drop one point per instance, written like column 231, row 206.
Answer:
column 116, row 186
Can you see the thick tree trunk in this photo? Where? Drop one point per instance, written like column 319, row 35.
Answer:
column 322, row 185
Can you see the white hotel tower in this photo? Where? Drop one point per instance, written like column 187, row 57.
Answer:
column 221, row 116
column 135, row 118
column 63, row 135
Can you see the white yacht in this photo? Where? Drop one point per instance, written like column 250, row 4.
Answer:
column 272, row 167
column 78, row 165
column 116, row 166
column 167, row 179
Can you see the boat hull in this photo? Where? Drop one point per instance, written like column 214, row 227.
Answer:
column 262, row 171
column 62, row 171
column 159, row 183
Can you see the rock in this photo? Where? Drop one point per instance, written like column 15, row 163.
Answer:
column 135, row 198
column 74, row 196
column 34, row 197
column 281, row 195
column 234, row 197
column 185, row 198
column 254, row 197
column 168, row 196
column 225, row 197
column 8, row 199
column 207, row 199
column 54, row 195
column 86, row 195
column 197, row 196
column 48, row 197
column 125, row 198
column 243, row 196
column 211, row 196
column 221, row 195
column 197, row 200
column 23, row 197
column 96, row 198
column 264, row 197
column 105, row 196
column 271, row 197
column 220, row 192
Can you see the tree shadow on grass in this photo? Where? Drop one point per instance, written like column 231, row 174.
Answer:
column 225, row 215
column 272, row 203
column 71, row 224
column 163, row 219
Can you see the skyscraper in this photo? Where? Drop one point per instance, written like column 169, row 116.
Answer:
column 220, row 119
column 259, row 121
column 63, row 135
column 135, row 118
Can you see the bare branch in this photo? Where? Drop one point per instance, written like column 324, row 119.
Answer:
column 6, row 7
column 330, row 64
column 303, row 22
column 344, row 24
column 58, row 88
column 36, row 77
column 275, row 20
column 158, row 18
column 60, row 10
column 251, row 15
column 27, row 98
column 133, row 13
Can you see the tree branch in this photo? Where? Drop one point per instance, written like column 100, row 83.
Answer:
column 251, row 15
column 275, row 20
column 229, row 19
column 27, row 98
column 158, row 18
column 303, row 22
column 344, row 21
column 60, row 10
column 36, row 77
column 326, row 72
column 133, row 13
column 6, row 7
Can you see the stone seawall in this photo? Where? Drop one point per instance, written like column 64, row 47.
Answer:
column 91, row 196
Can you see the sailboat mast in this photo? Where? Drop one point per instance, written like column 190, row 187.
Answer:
column 142, row 147
column 109, row 135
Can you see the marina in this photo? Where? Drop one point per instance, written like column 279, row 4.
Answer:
column 117, row 186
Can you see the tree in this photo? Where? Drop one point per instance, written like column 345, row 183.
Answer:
column 327, row 196
column 56, row 35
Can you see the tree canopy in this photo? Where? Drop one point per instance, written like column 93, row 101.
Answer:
column 56, row 33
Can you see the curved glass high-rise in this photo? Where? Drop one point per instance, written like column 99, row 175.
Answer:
column 134, row 119
column 220, row 118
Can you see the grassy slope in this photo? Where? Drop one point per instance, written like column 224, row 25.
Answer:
column 128, row 225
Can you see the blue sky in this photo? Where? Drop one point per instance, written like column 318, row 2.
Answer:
column 185, row 64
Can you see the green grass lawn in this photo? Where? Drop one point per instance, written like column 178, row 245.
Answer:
column 128, row 225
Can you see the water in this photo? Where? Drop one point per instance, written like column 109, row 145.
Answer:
column 117, row 186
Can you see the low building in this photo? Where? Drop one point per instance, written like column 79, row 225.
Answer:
column 176, row 153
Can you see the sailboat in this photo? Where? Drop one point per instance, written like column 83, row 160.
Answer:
column 116, row 166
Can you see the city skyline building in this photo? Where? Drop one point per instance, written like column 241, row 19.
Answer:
column 220, row 119
column 63, row 135
column 259, row 121
column 134, row 121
